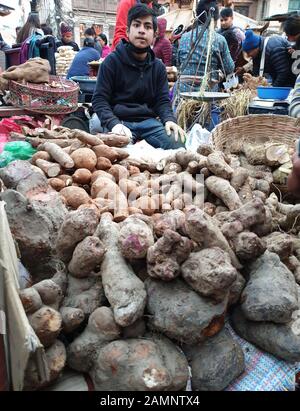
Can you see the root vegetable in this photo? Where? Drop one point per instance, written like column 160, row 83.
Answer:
column 128, row 186
column 61, row 279
column 100, row 173
column 218, row 166
column 223, row 190
column 122, row 154
column 76, row 226
column 239, row 177
column 173, row 220
column 50, row 292
column 280, row 244
column 124, row 291
column 56, row 183
column 146, row 204
column 101, row 328
column 50, row 169
column 133, row 170
column 66, row 179
column 84, row 158
column 107, row 152
column 87, row 256
column 82, row 176
column 103, row 163
column 172, row 167
column 248, row 246
column 255, row 153
column 75, row 196
column 114, row 140
column 43, row 155
column 134, row 210
column 205, row 149
column 71, row 318
column 166, row 255
column 58, row 154
column 118, row 172
column 39, row 143
column 201, row 228
column 209, row 209
column 210, row 273
column 86, row 138
column 30, row 299
column 135, row 238
column 46, row 323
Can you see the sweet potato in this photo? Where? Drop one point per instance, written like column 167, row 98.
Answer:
column 114, row 140
column 82, row 176
column 84, row 158
column 103, row 163
column 75, row 196
column 107, row 152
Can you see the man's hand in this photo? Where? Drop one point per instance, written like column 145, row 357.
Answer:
column 171, row 126
column 121, row 129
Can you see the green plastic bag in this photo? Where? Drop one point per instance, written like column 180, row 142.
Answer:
column 21, row 150
column 5, row 158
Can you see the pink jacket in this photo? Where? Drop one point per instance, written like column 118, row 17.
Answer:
column 105, row 51
column 162, row 46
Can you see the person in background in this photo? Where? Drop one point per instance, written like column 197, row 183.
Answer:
column 270, row 56
column 233, row 35
column 132, row 88
column 121, row 19
column 30, row 28
column 162, row 46
column 3, row 46
column 67, row 37
column 175, row 38
column 91, row 34
column 220, row 55
column 79, row 66
column 47, row 29
column 292, row 29
column 105, row 48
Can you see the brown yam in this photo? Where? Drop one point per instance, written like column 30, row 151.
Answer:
column 107, row 152
column 223, row 190
column 133, row 170
column 172, row 167
column 118, row 172
column 100, row 173
column 71, row 318
column 135, row 238
column 75, row 196
column 56, row 183
column 122, row 154
column 87, row 257
column 114, row 140
column 46, row 323
column 49, row 291
column 239, row 177
column 86, row 138
column 50, row 169
column 40, row 155
column 128, row 186
column 68, row 180
column 30, row 299
column 103, row 163
column 58, row 154
column 82, row 176
column 218, row 166
column 84, row 158
column 146, row 204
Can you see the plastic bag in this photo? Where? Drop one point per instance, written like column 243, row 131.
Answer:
column 5, row 158
column 197, row 136
column 21, row 150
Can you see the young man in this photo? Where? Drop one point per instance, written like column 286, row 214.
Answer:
column 270, row 56
column 121, row 20
column 233, row 35
column 132, row 87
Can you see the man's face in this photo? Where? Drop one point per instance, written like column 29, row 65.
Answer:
column 141, row 32
column 253, row 53
column 292, row 38
column 226, row 22
column 67, row 38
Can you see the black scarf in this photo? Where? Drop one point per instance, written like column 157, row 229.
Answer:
column 138, row 50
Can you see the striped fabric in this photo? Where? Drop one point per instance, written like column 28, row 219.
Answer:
column 294, row 110
column 263, row 371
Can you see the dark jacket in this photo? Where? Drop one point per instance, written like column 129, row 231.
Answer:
column 61, row 42
column 79, row 66
column 126, row 90
column 234, row 37
column 278, row 62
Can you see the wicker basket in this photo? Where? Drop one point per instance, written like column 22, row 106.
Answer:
column 45, row 99
column 230, row 135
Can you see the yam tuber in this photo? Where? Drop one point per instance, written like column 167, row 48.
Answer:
column 43, row 155
column 107, row 152
column 114, row 140
column 74, row 196
column 58, row 154
column 46, row 323
column 87, row 257
column 103, row 163
column 71, row 318
column 124, row 291
column 50, row 169
column 223, row 190
column 50, row 292
column 82, row 176
column 30, row 299
column 218, row 166
column 84, row 158
column 56, row 183
column 118, row 172
column 135, row 238
column 86, row 138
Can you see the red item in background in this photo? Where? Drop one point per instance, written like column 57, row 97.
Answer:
column 3, row 140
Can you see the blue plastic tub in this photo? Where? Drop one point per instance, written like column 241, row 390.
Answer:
column 86, row 84
column 274, row 93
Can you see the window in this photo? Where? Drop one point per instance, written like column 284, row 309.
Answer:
column 294, row 5
column 242, row 10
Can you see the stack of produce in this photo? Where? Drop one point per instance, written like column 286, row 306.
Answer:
column 146, row 274
column 172, row 75
column 64, row 58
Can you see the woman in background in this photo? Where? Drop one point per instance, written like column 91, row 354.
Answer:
column 31, row 27
column 105, row 48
